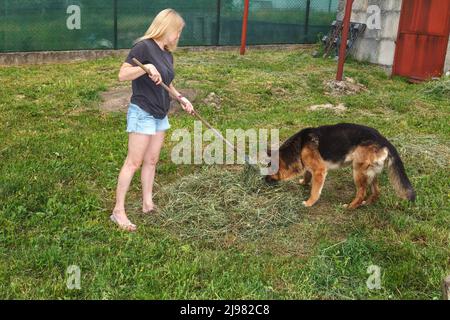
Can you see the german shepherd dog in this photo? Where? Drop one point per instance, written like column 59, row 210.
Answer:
column 313, row 151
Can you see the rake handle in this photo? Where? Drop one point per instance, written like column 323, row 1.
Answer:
column 181, row 102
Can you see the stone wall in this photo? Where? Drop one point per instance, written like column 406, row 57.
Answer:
column 375, row 46
column 43, row 57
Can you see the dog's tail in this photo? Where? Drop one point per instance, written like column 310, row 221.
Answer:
column 397, row 175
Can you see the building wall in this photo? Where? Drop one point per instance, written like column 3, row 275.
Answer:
column 375, row 46
column 378, row 46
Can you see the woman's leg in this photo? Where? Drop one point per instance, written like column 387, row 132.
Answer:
column 151, row 158
column 137, row 145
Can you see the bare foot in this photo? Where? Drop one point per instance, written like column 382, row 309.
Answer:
column 147, row 208
column 120, row 218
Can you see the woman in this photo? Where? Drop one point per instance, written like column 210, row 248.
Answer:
column 147, row 113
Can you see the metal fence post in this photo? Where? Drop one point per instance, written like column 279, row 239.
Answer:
column 344, row 37
column 308, row 8
column 244, row 27
column 219, row 5
column 115, row 26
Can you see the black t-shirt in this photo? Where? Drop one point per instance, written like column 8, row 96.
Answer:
column 146, row 94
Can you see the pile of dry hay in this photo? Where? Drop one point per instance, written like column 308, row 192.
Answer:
column 341, row 88
column 217, row 205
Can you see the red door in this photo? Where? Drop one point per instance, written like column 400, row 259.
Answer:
column 422, row 39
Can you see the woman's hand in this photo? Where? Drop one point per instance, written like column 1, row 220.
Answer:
column 187, row 105
column 156, row 76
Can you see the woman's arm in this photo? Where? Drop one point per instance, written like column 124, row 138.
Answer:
column 175, row 91
column 186, row 104
column 128, row 72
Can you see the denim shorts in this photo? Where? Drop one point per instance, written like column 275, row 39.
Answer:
column 140, row 121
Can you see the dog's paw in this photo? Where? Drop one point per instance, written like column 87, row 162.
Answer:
column 350, row 206
column 304, row 182
column 307, row 204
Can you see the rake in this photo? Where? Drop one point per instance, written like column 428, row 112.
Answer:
column 196, row 114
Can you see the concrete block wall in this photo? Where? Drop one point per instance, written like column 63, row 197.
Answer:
column 378, row 46
column 375, row 46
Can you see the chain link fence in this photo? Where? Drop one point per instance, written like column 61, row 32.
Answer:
column 41, row 25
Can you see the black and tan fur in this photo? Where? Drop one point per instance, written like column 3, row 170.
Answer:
column 314, row 151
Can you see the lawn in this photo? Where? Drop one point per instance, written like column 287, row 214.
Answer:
column 60, row 158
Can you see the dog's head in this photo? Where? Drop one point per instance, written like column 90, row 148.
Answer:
column 289, row 156
column 289, row 165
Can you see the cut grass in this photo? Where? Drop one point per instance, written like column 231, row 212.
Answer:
column 60, row 158
column 217, row 205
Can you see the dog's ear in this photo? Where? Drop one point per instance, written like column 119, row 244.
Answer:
column 314, row 138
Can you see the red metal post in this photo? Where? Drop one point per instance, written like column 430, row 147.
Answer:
column 244, row 27
column 344, row 38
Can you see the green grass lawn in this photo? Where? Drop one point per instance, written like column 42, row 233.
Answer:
column 60, row 157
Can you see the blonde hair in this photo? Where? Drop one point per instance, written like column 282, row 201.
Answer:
column 166, row 21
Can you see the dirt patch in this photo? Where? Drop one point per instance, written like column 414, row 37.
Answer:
column 338, row 108
column 275, row 90
column 190, row 94
column 213, row 101
column 342, row 88
column 117, row 99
